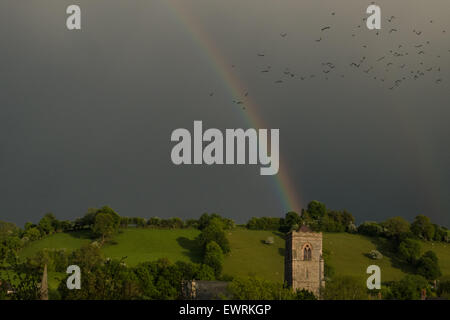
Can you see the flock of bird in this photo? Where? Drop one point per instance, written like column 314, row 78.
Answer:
column 403, row 62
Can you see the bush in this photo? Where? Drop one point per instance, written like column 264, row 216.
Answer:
column 409, row 250
column 371, row 229
column 214, row 257
column 250, row 288
column 290, row 220
column 422, row 227
column 214, row 232
column 428, row 266
column 344, row 288
column 409, row 288
column 396, row 228
column 444, row 288
column 263, row 223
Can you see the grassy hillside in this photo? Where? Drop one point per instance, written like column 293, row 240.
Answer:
column 249, row 255
column 442, row 250
column 348, row 256
column 68, row 241
column 140, row 245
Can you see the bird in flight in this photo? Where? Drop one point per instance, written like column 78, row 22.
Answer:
column 318, row 40
column 283, row 34
column 325, row 28
column 391, row 18
column 260, row 54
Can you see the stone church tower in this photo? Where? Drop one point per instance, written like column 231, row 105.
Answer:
column 304, row 265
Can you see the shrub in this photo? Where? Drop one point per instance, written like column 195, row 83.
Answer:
column 263, row 223
column 344, row 288
column 422, row 227
column 409, row 288
column 371, row 229
column 409, row 250
column 214, row 257
column 428, row 266
column 214, row 232
column 251, row 288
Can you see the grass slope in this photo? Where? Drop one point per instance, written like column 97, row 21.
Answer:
column 249, row 255
column 140, row 245
column 69, row 241
column 348, row 256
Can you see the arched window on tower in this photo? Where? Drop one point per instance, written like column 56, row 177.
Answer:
column 307, row 252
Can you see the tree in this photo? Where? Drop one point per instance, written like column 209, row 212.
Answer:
column 114, row 215
column 344, row 288
column 47, row 224
column 251, row 288
column 428, row 266
column 304, row 294
column 33, row 234
column 369, row 228
column 8, row 229
column 408, row 288
column 444, row 289
column 316, row 210
column 214, row 257
column 440, row 234
column 396, row 228
column 422, row 227
column 205, row 219
column 409, row 250
column 291, row 220
column 214, row 232
column 104, row 225
column 24, row 279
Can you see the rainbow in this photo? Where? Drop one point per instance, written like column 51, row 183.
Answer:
column 289, row 197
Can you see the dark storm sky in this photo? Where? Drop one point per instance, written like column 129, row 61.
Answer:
column 86, row 116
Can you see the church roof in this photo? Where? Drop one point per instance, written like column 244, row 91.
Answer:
column 304, row 228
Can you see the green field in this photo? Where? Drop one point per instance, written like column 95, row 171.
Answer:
column 140, row 245
column 249, row 255
column 348, row 256
column 442, row 250
column 68, row 241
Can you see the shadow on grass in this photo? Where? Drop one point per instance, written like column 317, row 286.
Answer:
column 387, row 249
column 82, row 234
column 280, row 234
column 193, row 250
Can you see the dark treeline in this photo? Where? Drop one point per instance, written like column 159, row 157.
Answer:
column 319, row 218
